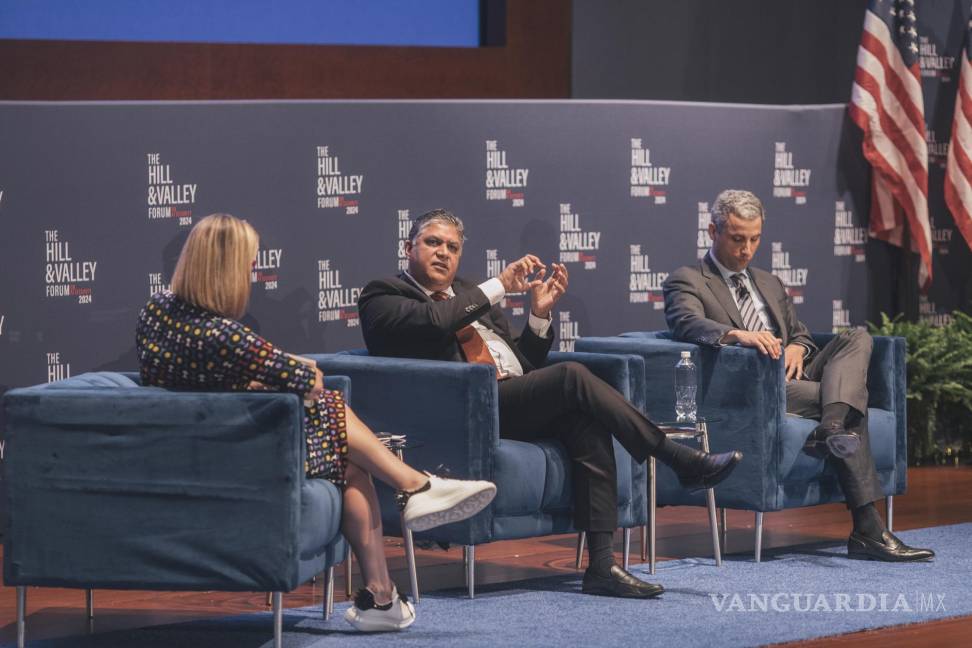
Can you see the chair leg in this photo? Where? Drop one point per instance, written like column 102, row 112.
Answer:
column 21, row 614
column 644, row 543
column 724, row 523
column 410, row 560
column 348, row 584
column 889, row 512
column 470, row 554
column 652, row 498
column 626, row 551
column 89, row 603
column 581, row 539
column 277, row 620
column 714, row 526
column 327, row 607
column 759, row 536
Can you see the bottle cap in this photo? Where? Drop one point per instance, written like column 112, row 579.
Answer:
column 687, row 355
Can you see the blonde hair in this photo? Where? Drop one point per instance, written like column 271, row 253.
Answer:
column 213, row 271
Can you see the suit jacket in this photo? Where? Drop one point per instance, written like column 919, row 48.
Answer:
column 699, row 307
column 400, row 320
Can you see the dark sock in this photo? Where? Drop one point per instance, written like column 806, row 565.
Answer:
column 834, row 414
column 867, row 521
column 600, row 551
column 677, row 456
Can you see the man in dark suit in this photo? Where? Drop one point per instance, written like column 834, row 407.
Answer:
column 723, row 300
column 427, row 312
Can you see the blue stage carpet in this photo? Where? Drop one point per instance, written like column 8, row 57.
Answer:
column 796, row 593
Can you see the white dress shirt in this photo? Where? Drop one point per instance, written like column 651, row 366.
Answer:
column 507, row 365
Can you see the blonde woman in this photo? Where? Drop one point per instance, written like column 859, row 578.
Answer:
column 189, row 338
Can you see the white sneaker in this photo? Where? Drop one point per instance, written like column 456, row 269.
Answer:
column 367, row 616
column 446, row 500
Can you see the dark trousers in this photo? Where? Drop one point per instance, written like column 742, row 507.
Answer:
column 565, row 401
column 838, row 374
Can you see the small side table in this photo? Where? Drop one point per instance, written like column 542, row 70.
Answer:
column 678, row 430
column 397, row 443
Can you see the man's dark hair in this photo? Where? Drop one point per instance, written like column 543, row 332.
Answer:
column 436, row 216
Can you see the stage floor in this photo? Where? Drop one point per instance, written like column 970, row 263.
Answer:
column 937, row 495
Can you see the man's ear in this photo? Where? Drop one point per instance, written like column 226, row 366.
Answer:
column 712, row 230
column 408, row 249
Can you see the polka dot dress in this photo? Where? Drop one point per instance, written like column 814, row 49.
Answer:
column 182, row 346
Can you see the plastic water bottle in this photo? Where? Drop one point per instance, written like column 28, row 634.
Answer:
column 685, row 387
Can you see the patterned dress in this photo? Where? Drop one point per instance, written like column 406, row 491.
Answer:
column 182, row 346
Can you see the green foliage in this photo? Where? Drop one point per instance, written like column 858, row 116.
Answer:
column 939, row 383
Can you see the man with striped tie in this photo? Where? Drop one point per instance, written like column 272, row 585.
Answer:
column 723, row 301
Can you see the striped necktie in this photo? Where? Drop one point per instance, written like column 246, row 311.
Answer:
column 750, row 316
column 472, row 343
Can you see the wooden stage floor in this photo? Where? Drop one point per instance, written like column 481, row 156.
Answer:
column 936, row 496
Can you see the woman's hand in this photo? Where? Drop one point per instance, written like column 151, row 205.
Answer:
column 318, row 389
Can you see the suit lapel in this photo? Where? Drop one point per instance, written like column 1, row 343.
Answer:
column 765, row 287
column 715, row 282
column 413, row 287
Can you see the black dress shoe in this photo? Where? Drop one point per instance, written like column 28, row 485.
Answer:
column 709, row 470
column 833, row 440
column 617, row 582
column 888, row 548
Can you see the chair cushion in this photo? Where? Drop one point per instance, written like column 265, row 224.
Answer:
column 320, row 515
column 92, row 379
column 531, row 477
column 797, row 466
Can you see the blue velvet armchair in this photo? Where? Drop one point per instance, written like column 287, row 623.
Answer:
column 449, row 412
column 742, row 395
column 113, row 485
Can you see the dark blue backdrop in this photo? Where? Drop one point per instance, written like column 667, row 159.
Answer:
column 97, row 199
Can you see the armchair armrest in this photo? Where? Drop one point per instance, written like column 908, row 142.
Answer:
column 626, row 373
column 887, row 388
column 741, row 393
column 144, row 488
column 449, row 412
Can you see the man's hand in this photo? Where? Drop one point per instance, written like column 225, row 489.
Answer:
column 546, row 293
column 764, row 341
column 793, row 361
column 516, row 276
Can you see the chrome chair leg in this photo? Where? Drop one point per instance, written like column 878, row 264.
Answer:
column 889, row 512
column 327, row 607
column 277, row 620
column 89, row 603
column 703, row 431
column 759, row 536
column 626, row 551
column 644, row 543
column 581, row 539
column 348, row 584
column 410, row 560
column 470, row 555
column 724, row 523
column 21, row 614
column 714, row 526
column 652, row 499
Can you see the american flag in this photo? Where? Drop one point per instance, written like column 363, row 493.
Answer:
column 887, row 104
column 958, row 171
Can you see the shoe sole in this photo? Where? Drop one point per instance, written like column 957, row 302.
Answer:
column 843, row 446
column 857, row 556
column 630, row 594
column 364, row 625
column 461, row 510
